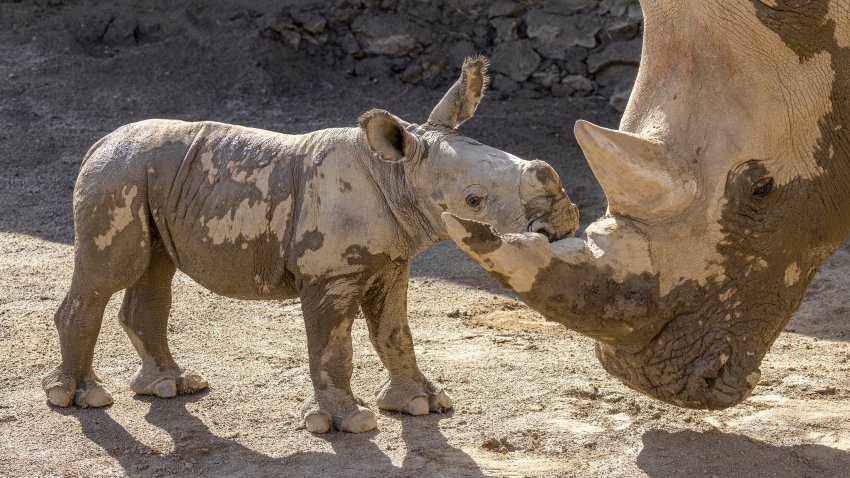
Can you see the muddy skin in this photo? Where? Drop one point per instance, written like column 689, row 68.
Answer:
column 333, row 217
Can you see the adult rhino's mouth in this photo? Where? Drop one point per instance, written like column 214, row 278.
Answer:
column 689, row 365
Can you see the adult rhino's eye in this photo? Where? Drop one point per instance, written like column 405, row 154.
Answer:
column 763, row 187
column 474, row 201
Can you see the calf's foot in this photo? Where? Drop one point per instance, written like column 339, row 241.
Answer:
column 166, row 384
column 352, row 417
column 63, row 388
column 413, row 397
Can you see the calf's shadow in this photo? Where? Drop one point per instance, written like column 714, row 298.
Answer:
column 199, row 452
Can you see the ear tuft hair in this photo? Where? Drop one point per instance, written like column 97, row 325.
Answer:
column 479, row 65
column 461, row 101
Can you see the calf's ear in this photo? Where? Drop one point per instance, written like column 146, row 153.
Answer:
column 461, row 101
column 388, row 137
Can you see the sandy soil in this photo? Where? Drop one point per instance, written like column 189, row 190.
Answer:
column 531, row 398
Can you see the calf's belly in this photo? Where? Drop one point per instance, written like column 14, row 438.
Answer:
column 222, row 204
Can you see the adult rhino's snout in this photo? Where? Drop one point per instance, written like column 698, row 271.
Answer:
column 548, row 209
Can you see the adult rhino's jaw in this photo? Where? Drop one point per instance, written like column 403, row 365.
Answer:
column 689, row 364
column 672, row 345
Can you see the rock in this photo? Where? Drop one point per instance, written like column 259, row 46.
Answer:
column 459, row 52
column 528, row 93
column 432, row 66
column 392, row 35
column 515, row 59
column 560, row 90
column 506, row 29
column 341, row 16
column 620, row 98
column 426, row 11
column 375, row 68
column 578, row 85
column 575, row 62
column 504, row 9
column 569, row 7
column 617, row 53
column 121, row 30
column 553, row 34
column 349, row 45
column 309, row 21
column 504, row 84
column 412, row 74
column 635, row 13
column 480, row 30
column 547, row 77
column 615, row 75
column 278, row 25
column 619, row 30
column 291, row 38
column 617, row 8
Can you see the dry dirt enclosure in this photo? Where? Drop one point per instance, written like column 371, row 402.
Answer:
column 531, row 400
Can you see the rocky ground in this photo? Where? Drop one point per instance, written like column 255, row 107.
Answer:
column 531, row 398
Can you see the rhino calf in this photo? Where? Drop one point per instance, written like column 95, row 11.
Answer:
column 333, row 217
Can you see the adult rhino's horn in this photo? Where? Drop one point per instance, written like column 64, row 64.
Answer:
column 639, row 177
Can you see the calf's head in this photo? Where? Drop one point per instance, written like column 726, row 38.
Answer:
column 454, row 173
column 728, row 184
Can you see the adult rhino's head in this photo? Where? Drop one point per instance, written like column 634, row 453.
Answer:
column 457, row 174
column 728, row 183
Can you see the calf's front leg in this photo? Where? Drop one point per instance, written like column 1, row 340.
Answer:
column 329, row 309
column 385, row 308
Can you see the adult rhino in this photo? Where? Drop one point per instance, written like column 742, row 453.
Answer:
column 728, row 183
column 333, row 216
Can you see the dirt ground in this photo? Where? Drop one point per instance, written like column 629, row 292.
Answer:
column 531, row 399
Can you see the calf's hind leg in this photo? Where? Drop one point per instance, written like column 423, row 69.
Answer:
column 111, row 252
column 78, row 322
column 144, row 316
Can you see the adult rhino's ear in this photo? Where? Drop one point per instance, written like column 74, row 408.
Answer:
column 388, row 137
column 461, row 101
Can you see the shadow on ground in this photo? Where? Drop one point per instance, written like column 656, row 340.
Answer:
column 199, row 452
column 713, row 453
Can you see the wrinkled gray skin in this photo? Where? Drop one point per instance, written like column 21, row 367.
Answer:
column 333, row 217
column 728, row 184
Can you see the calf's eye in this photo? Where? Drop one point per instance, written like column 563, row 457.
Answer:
column 473, row 201
column 763, row 187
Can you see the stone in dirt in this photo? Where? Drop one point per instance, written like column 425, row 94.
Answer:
column 516, row 59
column 617, row 53
column 554, row 34
column 620, row 98
column 578, row 85
column 504, row 9
column 375, row 68
column 504, row 84
column 506, row 29
column 390, row 35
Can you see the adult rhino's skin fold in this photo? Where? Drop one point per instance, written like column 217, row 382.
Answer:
column 727, row 184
